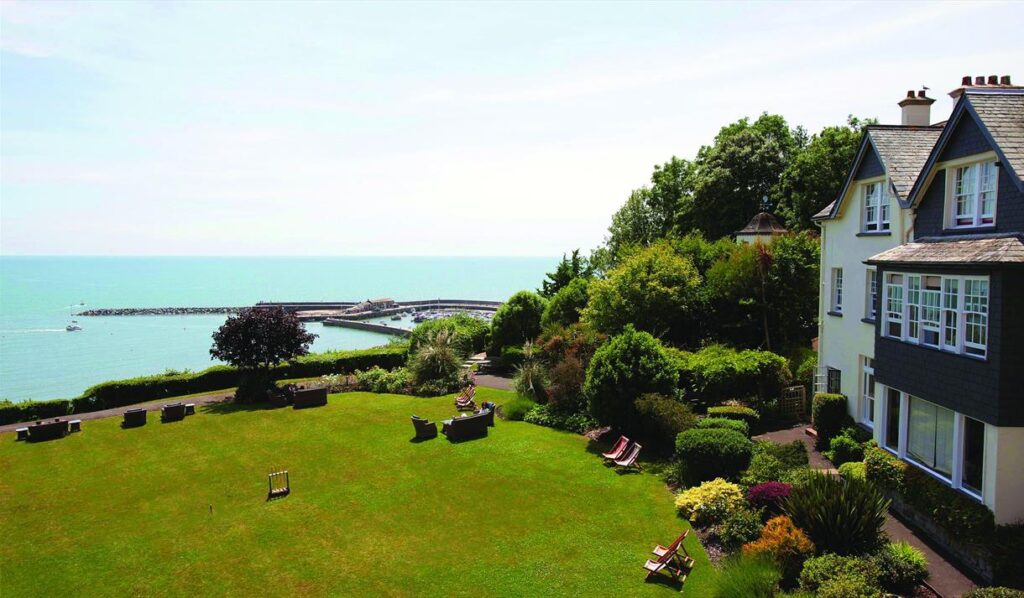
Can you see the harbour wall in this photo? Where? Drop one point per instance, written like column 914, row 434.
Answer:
column 302, row 306
column 370, row 326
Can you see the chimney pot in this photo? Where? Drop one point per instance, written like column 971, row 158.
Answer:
column 993, row 80
column 1005, row 80
column 979, row 80
column 920, row 94
column 910, row 93
column 966, row 80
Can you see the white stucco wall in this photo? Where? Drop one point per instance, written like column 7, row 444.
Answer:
column 843, row 340
column 1004, row 473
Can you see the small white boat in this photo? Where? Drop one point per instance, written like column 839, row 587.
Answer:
column 73, row 326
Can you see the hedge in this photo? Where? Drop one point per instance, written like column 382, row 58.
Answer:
column 713, row 452
column 828, row 413
column 716, row 373
column 726, row 423
column 745, row 414
column 119, row 393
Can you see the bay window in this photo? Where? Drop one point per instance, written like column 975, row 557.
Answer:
column 943, row 312
column 973, row 201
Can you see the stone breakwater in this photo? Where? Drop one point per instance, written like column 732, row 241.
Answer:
column 160, row 311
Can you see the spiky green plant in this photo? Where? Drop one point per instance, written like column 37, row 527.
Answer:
column 843, row 516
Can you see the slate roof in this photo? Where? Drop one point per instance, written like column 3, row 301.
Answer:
column 967, row 249
column 762, row 224
column 1003, row 116
column 903, row 151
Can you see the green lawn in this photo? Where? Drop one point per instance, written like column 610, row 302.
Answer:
column 180, row 508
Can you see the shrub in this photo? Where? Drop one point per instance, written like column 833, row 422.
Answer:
column 713, row 453
column 792, row 454
column 724, row 422
column 740, row 527
column 997, row 592
column 627, row 366
column 659, row 420
column 35, row 410
column 883, row 469
column 436, row 360
column 844, row 516
column 784, row 542
column 531, row 380
column 828, row 413
column 516, row 321
column 745, row 414
column 710, row 502
column 768, row 495
column 764, row 467
column 952, row 510
column 378, row 379
column 517, row 408
column 470, row 334
column 852, row 469
column 820, row 570
column 563, row 309
column 545, row 415
column 848, row 586
column 901, row 567
column 1007, row 544
column 749, row 576
column 843, row 449
column 717, row 372
column 565, row 390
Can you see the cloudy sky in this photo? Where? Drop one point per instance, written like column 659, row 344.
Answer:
column 418, row 128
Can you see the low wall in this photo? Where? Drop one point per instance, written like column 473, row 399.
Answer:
column 357, row 325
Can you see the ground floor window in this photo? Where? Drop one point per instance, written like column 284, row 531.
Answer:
column 834, row 381
column 948, row 444
column 868, row 391
column 930, row 436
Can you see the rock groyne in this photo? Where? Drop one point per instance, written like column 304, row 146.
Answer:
column 159, row 311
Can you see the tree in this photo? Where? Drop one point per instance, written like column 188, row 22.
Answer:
column 517, row 321
column 469, row 333
column 730, row 178
column 629, row 365
column 654, row 289
column 564, row 308
column 816, row 174
column 793, row 287
column 567, row 270
column 256, row 340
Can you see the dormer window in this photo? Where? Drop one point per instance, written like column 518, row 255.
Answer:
column 974, row 195
column 876, row 208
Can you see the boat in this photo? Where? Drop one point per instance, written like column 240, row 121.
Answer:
column 396, row 317
column 73, row 326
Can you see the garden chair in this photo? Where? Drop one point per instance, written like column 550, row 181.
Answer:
column 134, row 418
column 424, row 429
column 465, row 399
column 683, row 560
column 668, row 565
column 629, row 459
column 620, row 447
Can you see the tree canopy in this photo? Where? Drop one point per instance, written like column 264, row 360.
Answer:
column 517, row 321
column 260, row 338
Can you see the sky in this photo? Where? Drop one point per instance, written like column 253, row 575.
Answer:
column 233, row 128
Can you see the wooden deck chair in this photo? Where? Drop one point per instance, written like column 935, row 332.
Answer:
column 629, row 459
column 666, row 563
column 620, row 447
column 465, row 400
column 681, row 557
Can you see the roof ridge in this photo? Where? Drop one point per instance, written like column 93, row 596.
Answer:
column 935, row 127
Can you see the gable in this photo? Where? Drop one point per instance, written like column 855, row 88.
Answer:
column 965, row 140
column 870, row 166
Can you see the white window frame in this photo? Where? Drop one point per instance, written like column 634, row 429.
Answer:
column 871, row 298
column 911, row 305
column 956, row 478
column 837, row 290
column 972, row 174
column 869, row 391
column 875, row 201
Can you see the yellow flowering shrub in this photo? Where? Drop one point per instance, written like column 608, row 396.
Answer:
column 710, row 502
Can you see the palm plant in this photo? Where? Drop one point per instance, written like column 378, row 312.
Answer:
column 436, row 357
column 842, row 516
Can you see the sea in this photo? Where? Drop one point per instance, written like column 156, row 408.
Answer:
column 40, row 296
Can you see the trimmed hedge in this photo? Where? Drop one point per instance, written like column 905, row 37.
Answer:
column 119, row 393
column 713, row 452
column 745, row 414
column 828, row 413
column 717, row 372
column 725, row 423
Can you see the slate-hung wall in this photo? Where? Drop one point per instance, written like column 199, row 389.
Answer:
column 968, row 140
column 987, row 389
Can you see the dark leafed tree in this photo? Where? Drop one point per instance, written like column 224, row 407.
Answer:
column 256, row 340
column 568, row 269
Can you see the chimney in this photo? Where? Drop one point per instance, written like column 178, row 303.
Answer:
column 999, row 82
column 917, row 109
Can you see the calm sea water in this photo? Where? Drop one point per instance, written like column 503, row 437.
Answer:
column 39, row 295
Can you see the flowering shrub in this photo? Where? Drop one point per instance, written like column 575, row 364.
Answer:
column 883, row 469
column 784, row 542
column 377, row 379
column 738, row 528
column 768, row 495
column 710, row 502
